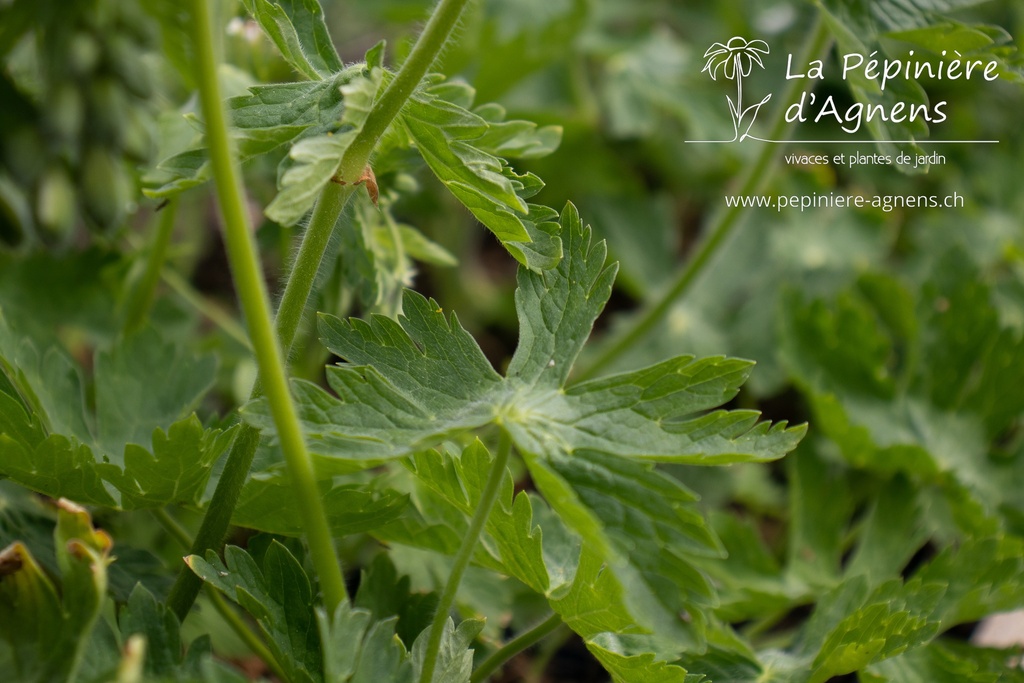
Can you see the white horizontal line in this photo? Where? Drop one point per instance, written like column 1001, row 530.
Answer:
column 849, row 142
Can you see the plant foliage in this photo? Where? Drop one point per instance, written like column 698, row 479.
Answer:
column 531, row 444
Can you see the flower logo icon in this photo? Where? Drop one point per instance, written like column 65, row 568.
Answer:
column 736, row 59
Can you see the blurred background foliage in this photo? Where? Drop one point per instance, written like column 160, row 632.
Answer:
column 897, row 335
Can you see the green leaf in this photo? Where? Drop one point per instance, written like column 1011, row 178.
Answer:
column 853, row 626
column 268, row 117
column 454, row 658
column 386, row 594
column 466, row 151
column 859, row 362
column 982, row 577
column 892, row 137
column 512, row 538
column 423, row 249
column 891, row 533
column 360, row 650
column 612, row 502
column 143, row 615
column 977, row 42
column 298, row 30
column 144, row 389
column 271, row 115
column 472, row 175
column 894, row 14
column 409, row 384
column 266, row 504
column 315, row 160
column 595, row 602
column 749, row 581
column 45, row 291
column 820, row 508
column 279, row 598
column 126, row 405
column 642, row 668
column 947, row 662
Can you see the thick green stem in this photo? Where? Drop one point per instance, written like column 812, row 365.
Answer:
column 218, row 517
column 514, row 647
column 255, row 303
column 141, row 297
column 465, row 553
column 724, row 221
column 300, row 282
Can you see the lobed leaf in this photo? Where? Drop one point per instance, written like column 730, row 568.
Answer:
column 934, row 422
column 851, row 628
column 467, row 151
column 298, row 30
column 279, row 598
column 407, row 385
column 140, row 449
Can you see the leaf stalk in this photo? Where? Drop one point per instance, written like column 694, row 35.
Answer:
column 141, row 297
column 476, row 525
column 513, row 647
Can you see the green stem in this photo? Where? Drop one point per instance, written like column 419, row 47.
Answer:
column 172, row 527
column 213, row 312
column 255, row 303
column 725, row 220
column 215, row 523
column 141, row 297
column 514, row 647
column 465, row 553
column 440, row 25
column 307, row 262
column 242, row 630
column 300, row 283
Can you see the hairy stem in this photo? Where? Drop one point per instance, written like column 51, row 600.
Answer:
column 307, row 262
column 141, row 297
column 723, row 222
column 443, row 19
column 515, row 646
column 465, row 553
column 255, row 303
column 300, row 282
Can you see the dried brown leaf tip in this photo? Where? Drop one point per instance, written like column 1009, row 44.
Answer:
column 368, row 178
column 11, row 559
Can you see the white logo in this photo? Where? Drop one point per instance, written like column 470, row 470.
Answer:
column 736, row 59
